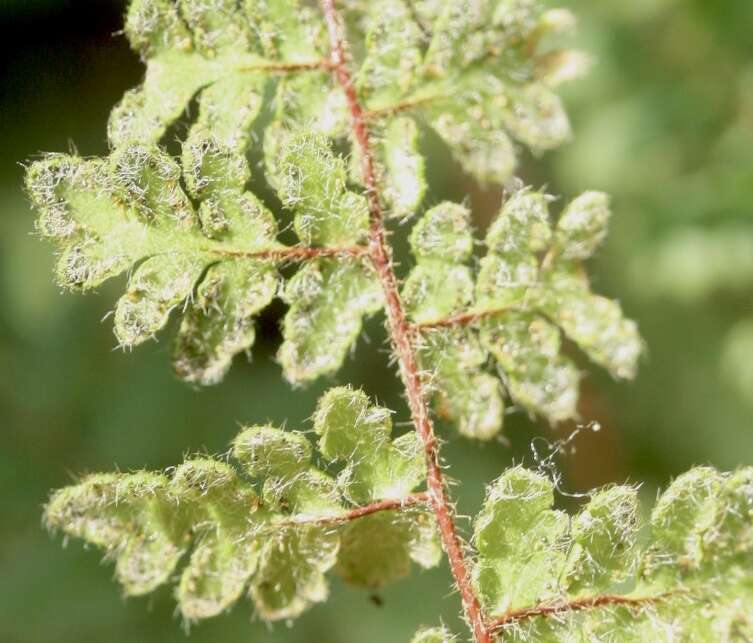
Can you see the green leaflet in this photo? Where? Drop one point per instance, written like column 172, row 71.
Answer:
column 689, row 579
column 593, row 322
column 192, row 238
column 528, row 289
column 440, row 285
column 198, row 44
column 583, row 225
column 132, row 518
column 328, row 297
column 536, row 117
column 328, row 301
column 224, row 556
column 303, row 103
column 312, row 183
column 471, row 71
column 291, row 572
column 219, row 323
column 433, row 635
column 394, row 54
column 527, row 349
column 521, row 543
column 216, row 574
column 481, row 146
column 401, row 168
column 382, row 547
column 467, row 33
column 464, row 393
column 353, row 431
column 217, row 262
column 603, row 537
column 522, row 226
column 273, row 524
column 131, row 213
column 404, row 167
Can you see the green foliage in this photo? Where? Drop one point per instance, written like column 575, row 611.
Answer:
column 210, row 250
column 547, row 576
column 218, row 50
column 218, row 262
column 485, row 59
column 277, row 523
column 433, row 635
column 274, row 522
column 432, row 59
column 529, row 287
column 440, row 285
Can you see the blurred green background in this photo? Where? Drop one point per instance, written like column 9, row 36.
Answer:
column 664, row 123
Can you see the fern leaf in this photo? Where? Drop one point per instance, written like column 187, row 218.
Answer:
column 401, row 169
column 529, row 288
column 527, row 349
column 446, row 62
column 464, row 393
column 215, row 49
column 439, row 286
column 380, row 548
column 131, row 213
column 353, row 431
column 273, row 523
column 211, row 249
column 546, row 576
column 217, row 262
column 433, row 635
column 393, row 58
column 312, row 184
column 441, row 283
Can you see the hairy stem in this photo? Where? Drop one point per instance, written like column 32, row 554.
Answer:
column 284, row 68
column 461, row 319
column 411, row 500
column 294, row 253
column 577, row 605
column 402, row 337
column 392, row 110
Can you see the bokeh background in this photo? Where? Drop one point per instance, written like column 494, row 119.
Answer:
column 664, row 123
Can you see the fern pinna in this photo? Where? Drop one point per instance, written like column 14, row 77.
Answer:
column 293, row 85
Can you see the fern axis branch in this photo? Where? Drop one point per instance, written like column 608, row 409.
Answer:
column 401, row 334
column 461, row 319
column 286, row 68
column 399, row 108
column 397, row 504
column 577, row 605
column 470, row 317
column 294, row 253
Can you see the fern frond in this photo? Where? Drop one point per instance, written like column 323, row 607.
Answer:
column 433, row 635
column 529, row 287
column 221, row 50
column 210, row 249
column 278, row 514
column 474, row 72
column 218, row 262
column 546, row 576
column 272, row 522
